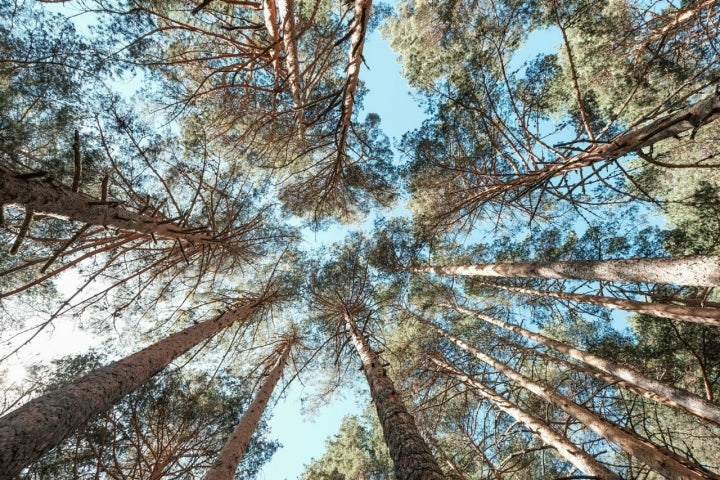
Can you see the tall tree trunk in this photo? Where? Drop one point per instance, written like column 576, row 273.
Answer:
column 703, row 316
column 43, row 197
column 357, row 42
column 648, row 387
column 411, row 456
column 689, row 118
column 31, row 430
column 691, row 271
column 567, row 450
column 660, row 460
column 286, row 9
column 232, row 452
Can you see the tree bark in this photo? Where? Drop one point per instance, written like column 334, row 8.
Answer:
column 411, row 456
column 292, row 62
column 232, row 452
column 658, row 459
column 31, row 430
column 357, row 42
column 704, row 316
column 567, row 450
column 691, row 271
column 46, row 198
column 648, row 387
column 689, row 118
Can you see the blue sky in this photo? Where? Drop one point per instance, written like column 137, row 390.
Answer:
column 303, row 436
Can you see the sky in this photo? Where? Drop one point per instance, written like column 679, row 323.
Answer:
column 303, row 436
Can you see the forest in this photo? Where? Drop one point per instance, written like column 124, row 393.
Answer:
column 522, row 287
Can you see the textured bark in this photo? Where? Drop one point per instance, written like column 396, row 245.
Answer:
column 411, row 456
column 692, row 271
column 704, row 316
column 31, row 430
column 292, row 62
column 46, row 198
column 273, row 29
column 357, row 42
column 232, row 452
column 689, row 118
column 567, row 450
column 648, row 387
column 657, row 458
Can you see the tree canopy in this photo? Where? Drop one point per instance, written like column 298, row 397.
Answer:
column 524, row 286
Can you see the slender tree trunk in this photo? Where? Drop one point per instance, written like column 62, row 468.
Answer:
column 660, row 460
column 691, row 271
column 232, row 452
column 567, row 450
column 648, row 387
column 411, row 456
column 689, row 118
column 271, row 24
column 703, row 316
column 292, row 62
column 357, row 42
column 31, row 430
column 43, row 197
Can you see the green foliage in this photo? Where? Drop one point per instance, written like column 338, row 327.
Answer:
column 357, row 451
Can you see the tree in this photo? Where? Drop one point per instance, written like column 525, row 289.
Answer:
column 565, row 448
column 345, row 295
column 232, row 453
column 701, row 271
column 665, row 463
column 171, row 427
column 24, row 438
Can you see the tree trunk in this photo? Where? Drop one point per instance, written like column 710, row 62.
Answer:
column 660, row 460
column 567, row 450
column 655, row 390
column 232, row 452
column 31, row 430
column 691, row 271
column 357, row 42
column 704, row 316
column 43, row 197
column 689, row 118
column 411, row 456
column 292, row 62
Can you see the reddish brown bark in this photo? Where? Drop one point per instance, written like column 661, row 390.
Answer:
column 31, row 430
column 648, row 387
column 658, row 459
column 46, row 198
column 689, row 118
column 703, row 316
column 357, row 42
column 232, row 452
column 411, row 456
column 567, row 450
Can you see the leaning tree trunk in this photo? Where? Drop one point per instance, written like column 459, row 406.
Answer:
column 287, row 17
column 689, row 118
column 701, row 271
column 660, row 460
column 411, row 456
column 31, row 430
column 567, row 450
column 361, row 17
column 232, row 452
column 38, row 196
column 704, row 316
column 655, row 390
